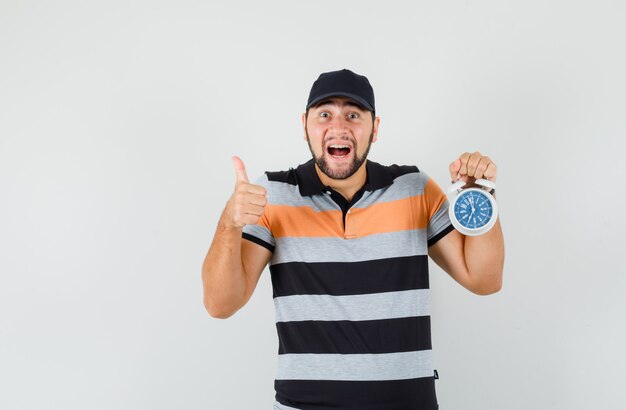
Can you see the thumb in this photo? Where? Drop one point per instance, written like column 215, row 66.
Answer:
column 240, row 170
column 455, row 167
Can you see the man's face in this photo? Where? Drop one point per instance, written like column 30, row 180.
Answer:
column 339, row 134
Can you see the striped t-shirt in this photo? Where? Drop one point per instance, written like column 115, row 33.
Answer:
column 351, row 289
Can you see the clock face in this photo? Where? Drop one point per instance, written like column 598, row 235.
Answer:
column 473, row 209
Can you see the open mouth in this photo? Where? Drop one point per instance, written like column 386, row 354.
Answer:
column 339, row 150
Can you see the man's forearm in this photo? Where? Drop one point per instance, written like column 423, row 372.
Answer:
column 484, row 256
column 223, row 276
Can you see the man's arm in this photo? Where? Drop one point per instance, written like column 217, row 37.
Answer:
column 233, row 265
column 476, row 262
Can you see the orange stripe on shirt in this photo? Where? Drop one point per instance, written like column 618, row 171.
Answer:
column 385, row 217
column 302, row 221
column 400, row 215
column 434, row 196
column 403, row 214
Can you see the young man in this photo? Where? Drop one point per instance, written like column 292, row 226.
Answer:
column 348, row 242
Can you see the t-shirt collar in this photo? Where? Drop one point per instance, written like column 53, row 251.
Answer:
column 309, row 183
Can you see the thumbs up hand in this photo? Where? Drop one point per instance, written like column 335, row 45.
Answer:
column 247, row 203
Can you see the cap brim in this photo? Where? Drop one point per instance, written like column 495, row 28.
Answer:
column 360, row 101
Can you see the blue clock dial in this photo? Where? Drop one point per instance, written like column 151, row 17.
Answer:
column 473, row 209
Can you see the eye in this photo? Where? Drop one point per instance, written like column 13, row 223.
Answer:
column 324, row 114
column 353, row 115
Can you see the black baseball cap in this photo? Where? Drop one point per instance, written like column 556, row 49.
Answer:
column 342, row 83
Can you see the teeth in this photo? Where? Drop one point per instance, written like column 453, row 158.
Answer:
column 339, row 146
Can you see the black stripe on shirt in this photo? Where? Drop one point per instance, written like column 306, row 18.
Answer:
column 258, row 241
column 351, row 337
column 413, row 394
column 350, row 278
column 440, row 235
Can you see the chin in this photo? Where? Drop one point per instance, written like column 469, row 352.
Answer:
column 338, row 171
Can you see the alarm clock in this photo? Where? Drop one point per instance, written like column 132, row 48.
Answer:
column 473, row 211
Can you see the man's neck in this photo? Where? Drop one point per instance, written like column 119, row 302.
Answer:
column 346, row 187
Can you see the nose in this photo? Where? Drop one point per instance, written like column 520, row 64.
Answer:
column 338, row 125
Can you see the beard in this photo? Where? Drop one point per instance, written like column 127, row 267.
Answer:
column 322, row 161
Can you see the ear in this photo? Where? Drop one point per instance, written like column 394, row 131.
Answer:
column 304, row 126
column 375, row 129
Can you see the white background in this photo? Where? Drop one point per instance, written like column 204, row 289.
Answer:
column 118, row 120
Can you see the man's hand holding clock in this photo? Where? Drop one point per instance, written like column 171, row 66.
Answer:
column 473, row 209
column 472, row 166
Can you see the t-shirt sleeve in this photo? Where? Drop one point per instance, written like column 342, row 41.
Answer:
column 261, row 233
column 439, row 224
